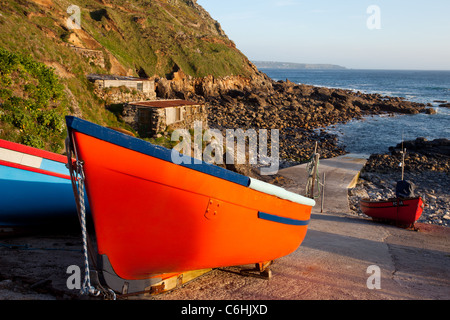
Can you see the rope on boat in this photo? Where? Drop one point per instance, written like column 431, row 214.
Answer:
column 77, row 176
column 86, row 288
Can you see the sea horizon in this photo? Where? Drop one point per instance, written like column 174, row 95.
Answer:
column 357, row 69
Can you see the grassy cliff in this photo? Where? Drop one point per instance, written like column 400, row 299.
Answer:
column 32, row 102
column 44, row 63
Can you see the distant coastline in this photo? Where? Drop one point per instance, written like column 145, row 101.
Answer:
column 292, row 65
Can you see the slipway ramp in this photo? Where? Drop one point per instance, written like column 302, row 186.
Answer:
column 342, row 255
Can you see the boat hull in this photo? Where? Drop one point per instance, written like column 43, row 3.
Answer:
column 35, row 187
column 152, row 216
column 402, row 211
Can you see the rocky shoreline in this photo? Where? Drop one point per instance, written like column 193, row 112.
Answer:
column 427, row 165
column 298, row 111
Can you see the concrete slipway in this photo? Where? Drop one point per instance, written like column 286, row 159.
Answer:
column 333, row 260
column 331, row 263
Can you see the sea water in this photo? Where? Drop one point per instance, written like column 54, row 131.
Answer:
column 375, row 134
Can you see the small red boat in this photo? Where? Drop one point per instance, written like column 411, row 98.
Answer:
column 153, row 217
column 402, row 211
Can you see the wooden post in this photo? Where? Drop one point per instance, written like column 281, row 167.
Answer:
column 323, row 193
column 316, row 162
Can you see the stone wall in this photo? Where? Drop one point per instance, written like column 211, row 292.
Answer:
column 115, row 89
column 95, row 57
column 149, row 121
column 190, row 115
column 145, row 86
column 115, row 95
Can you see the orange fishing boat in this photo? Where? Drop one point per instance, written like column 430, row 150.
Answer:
column 153, row 217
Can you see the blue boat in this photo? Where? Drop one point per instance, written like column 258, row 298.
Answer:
column 35, row 187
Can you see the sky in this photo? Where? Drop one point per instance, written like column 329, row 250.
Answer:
column 357, row 34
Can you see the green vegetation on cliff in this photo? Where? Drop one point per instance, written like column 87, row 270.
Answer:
column 157, row 36
column 32, row 102
column 46, row 77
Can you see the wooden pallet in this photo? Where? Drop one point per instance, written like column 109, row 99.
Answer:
column 167, row 284
column 261, row 270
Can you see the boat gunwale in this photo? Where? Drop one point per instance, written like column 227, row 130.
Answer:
column 368, row 201
column 32, row 169
column 32, row 151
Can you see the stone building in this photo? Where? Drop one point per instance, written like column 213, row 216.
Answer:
column 152, row 117
column 103, row 81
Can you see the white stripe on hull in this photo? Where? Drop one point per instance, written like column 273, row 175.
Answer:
column 20, row 158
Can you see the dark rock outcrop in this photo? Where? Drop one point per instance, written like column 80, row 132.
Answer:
column 421, row 155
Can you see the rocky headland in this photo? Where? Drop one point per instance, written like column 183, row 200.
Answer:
column 427, row 165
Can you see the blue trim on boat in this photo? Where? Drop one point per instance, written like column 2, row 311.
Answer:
column 17, row 174
column 54, row 166
column 274, row 218
column 32, row 198
column 149, row 149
